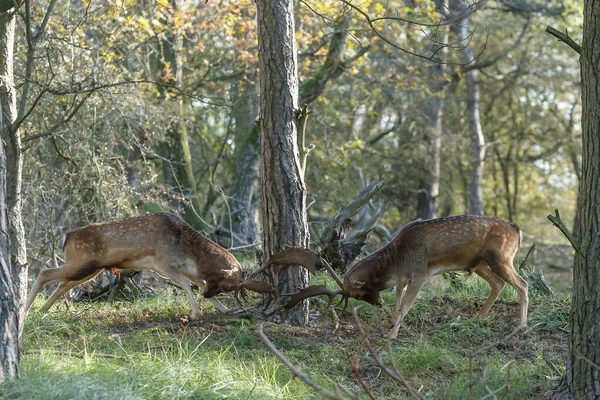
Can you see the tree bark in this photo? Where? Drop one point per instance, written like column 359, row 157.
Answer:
column 13, row 268
column 475, row 132
column 247, row 166
column 429, row 187
column 582, row 374
column 283, row 190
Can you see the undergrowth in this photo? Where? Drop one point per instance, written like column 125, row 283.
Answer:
column 146, row 349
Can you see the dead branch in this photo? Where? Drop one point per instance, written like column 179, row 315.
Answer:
column 557, row 222
column 81, row 354
column 354, row 364
column 398, row 377
column 564, row 37
column 295, row 370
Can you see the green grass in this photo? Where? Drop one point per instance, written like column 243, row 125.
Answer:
column 144, row 349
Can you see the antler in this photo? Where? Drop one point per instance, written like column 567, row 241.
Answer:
column 299, row 256
column 292, row 256
column 255, row 286
column 312, row 291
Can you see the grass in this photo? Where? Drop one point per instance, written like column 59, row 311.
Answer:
column 145, row 349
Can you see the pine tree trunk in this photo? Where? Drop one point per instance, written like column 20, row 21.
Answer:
column 283, row 189
column 13, row 268
column 582, row 375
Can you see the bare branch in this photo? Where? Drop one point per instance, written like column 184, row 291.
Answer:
column 392, row 374
column 53, row 129
column 177, row 89
column 354, row 364
column 295, row 370
column 557, row 222
column 496, row 58
column 564, row 37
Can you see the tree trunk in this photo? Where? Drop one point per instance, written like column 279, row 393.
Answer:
column 475, row 132
column 244, row 212
column 283, row 190
column 429, row 187
column 582, row 375
column 247, row 166
column 13, row 270
column 177, row 167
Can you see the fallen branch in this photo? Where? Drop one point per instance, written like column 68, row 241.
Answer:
column 77, row 355
column 296, row 371
column 354, row 364
column 557, row 222
column 395, row 375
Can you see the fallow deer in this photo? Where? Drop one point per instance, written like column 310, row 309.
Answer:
column 422, row 249
column 162, row 242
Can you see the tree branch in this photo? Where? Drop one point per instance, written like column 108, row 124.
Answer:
column 564, row 37
column 557, row 222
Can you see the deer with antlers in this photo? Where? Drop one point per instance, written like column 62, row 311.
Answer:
column 482, row 245
column 162, row 242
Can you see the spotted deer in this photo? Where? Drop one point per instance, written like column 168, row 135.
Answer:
column 482, row 245
column 161, row 242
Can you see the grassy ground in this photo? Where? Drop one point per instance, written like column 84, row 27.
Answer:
column 145, row 349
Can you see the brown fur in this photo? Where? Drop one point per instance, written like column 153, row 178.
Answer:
column 484, row 245
column 162, row 242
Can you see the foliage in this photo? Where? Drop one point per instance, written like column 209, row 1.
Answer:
column 369, row 120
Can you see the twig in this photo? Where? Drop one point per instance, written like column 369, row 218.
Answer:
column 354, row 364
column 392, row 374
column 564, row 37
column 295, row 371
column 78, row 355
column 334, row 316
column 557, row 222
column 524, row 262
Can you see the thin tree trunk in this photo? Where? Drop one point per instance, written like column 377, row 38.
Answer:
column 13, row 270
column 244, row 213
column 475, row 132
column 582, row 374
column 177, row 167
column 283, row 189
column 429, row 187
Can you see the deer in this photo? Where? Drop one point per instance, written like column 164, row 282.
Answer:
column 161, row 242
column 422, row 249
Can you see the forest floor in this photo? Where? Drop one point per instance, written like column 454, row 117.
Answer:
column 145, row 349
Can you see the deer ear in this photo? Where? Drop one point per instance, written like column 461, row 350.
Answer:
column 357, row 284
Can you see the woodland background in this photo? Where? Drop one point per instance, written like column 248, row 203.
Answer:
column 128, row 107
column 144, row 106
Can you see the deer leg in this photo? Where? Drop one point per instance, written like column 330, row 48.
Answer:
column 63, row 288
column 178, row 279
column 399, row 288
column 496, row 285
column 506, row 271
column 412, row 290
